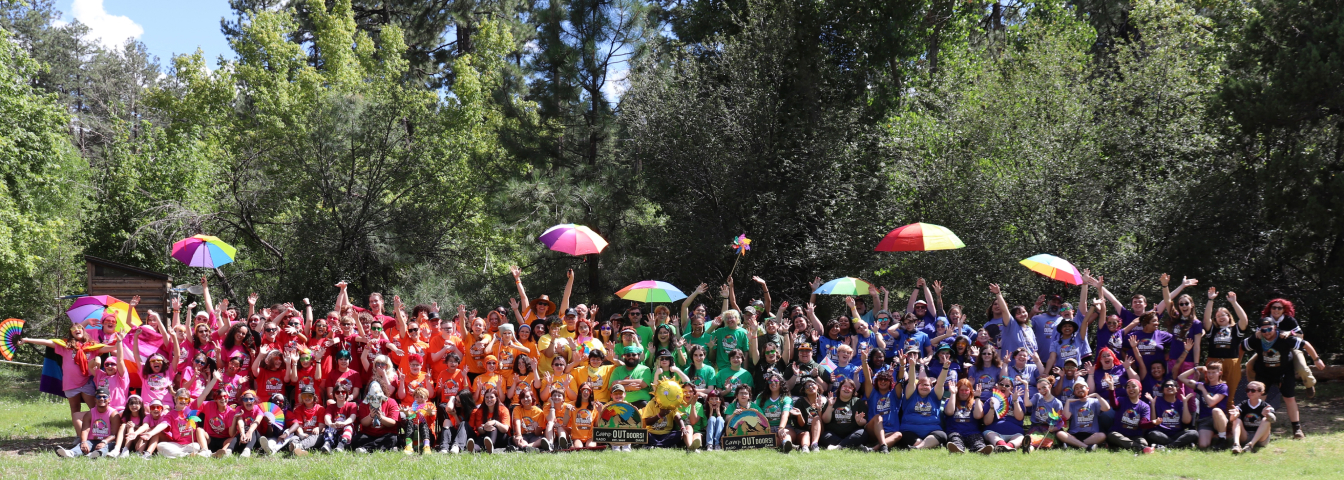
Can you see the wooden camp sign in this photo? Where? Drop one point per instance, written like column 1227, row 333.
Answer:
column 746, row 429
column 620, row 422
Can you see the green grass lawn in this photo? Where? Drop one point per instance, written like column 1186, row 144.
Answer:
column 30, row 426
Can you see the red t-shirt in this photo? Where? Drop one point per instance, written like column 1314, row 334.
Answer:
column 346, row 411
column 390, row 410
column 308, row 417
column 350, row 378
column 306, row 378
column 270, row 383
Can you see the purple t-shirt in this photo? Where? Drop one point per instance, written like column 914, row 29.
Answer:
column 1109, row 338
column 1083, row 416
column 1130, row 416
column 1109, row 382
column 1180, row 332
column 1167, row 416
column 1153, row 346
column 1206, row 411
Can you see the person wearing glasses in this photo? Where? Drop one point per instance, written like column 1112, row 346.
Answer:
column 248, row 421
column 1252, row 420
column 1171, row 416
column 1183, row 324
column 1281, row 312
column 96, row 431
column 1275, row 352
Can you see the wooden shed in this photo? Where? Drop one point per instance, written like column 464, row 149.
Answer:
column 106, row 277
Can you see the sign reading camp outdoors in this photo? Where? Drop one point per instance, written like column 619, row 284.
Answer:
column 747, row 429
column 620, row 422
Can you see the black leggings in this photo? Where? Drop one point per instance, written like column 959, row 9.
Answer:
column 384, row 442
column 967, row 442
column 844, row 440
column 1185, row 439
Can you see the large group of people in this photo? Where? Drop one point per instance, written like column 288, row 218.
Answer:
column 534, row 376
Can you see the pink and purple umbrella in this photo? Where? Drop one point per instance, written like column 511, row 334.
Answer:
column 203, row 251
column 572, row 239
column 95, row 306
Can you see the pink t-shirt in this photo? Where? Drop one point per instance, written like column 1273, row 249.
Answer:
column 216, row 421
column 71, row 378
column 159, row 386
column 118, row 387
column 247, row 415
column 180, row 428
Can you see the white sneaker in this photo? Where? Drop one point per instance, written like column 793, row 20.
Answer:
column 190, row 449
column 271, row 446
column 63, row 453
column 247, row 452
column 455, row 449
column 125, row 452
column 95, row 454
column 205, row 453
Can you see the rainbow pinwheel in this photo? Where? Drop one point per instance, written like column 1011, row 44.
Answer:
column 742, row 244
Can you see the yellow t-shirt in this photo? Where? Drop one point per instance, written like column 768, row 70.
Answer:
column 594, row 377
column 662, row 426
column 581, row 424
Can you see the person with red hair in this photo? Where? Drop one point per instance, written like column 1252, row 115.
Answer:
column 1282, row 314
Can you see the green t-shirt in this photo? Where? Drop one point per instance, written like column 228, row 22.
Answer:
column 640, row 372
column 699, row 412
column 727, row 380
column 645, row 335
column 774, row 409
column 726, row 340
column 703, row 377
column 702, row 340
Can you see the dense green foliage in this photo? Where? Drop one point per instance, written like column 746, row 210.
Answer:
column 418, row 147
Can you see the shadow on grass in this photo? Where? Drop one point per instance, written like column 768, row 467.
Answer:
column 35, row 446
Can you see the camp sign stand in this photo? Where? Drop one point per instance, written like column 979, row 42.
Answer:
column 620, row 422
column 747, row 429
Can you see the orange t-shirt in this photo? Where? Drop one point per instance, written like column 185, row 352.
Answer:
column 564, row 414
column 450, row 384
column 485, row 381
column 531, row 420
column 416, row 381
column 476, row 352
column 436, row 344
column 581, row 423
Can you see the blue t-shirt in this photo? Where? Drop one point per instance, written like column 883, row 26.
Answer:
column 847, row 371
column 1083, row 416
column 863, row 342
column 1026, row 376
column 1074, row 347
column 954, row 370
column 1130, row 416
column 986, row 378
column 1044, row 327
column 827, row 349
column 887, row 407
column 1040, row 409
column 921, row 414
column 963, row 420
column 1017, row 336
column 918, row 339
column 1008, row 424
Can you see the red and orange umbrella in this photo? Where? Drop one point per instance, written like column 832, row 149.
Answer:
column 919, row 237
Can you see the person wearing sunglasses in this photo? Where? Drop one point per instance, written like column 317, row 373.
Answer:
column 248, row 421
column 96, row 431
column 1274, row 365
column 1171, row 416
column 1282, row 312
column 1183, row 324
column 1252, row 420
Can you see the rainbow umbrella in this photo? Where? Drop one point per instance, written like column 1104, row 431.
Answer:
column 11, row 329
column 919, row 237
column 1055, row 268
column 844, row 286
column 572, row 239
column 203, row 251
column 651, row 291
column 93, row 307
